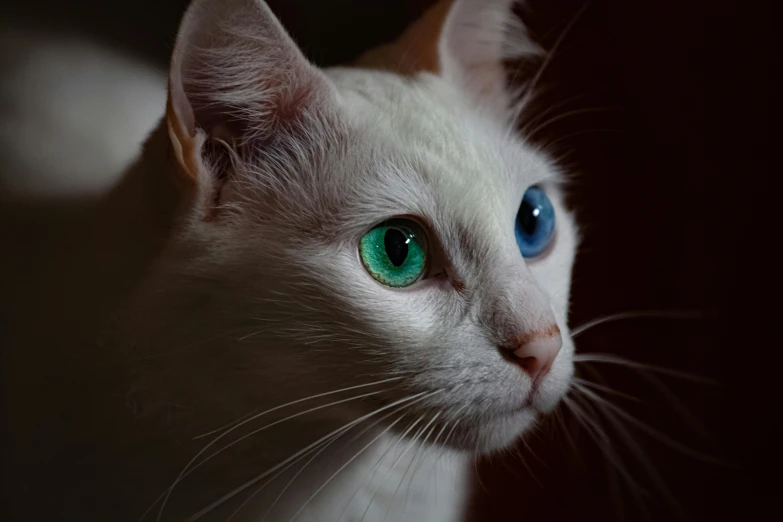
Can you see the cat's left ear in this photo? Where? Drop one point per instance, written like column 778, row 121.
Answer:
column 477, row 37
column 237, row 82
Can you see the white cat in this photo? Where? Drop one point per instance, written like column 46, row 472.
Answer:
column 375, row 267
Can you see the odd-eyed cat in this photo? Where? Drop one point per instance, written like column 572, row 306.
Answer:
column 360, row 274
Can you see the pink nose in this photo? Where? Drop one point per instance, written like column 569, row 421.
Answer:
column 535, row 353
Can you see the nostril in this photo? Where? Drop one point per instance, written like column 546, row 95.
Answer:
column 533, row 366
column 529, row 364
column 536, row 352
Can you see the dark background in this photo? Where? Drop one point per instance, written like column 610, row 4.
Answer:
column 672, row 139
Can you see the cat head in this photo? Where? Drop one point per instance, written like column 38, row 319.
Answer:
column 347, row 227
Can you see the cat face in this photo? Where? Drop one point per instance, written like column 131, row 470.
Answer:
column 352, row 226
column 462, row 178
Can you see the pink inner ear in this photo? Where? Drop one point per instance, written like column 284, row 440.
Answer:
column 237, row 84
column 234, row 68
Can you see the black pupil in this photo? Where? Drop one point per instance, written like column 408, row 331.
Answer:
column 527, row 218
column 396, row 244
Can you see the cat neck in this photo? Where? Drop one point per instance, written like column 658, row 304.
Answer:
column 372, row 477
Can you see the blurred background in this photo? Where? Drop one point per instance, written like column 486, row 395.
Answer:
column 667, row 114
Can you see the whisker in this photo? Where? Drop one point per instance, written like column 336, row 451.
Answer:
column 567, row 433
column 316, row 450
column 529, row 449
column 522, row 459
column 224, row 427
column 652, row 432
column 397, row 460
column 564, row 115
column 550, row 145
column 443, row 447
column 317, row 396
column 531, row 87
column 639, row 314
column 550, row 109
column 251, row 334
column 365, row 430
column 475, row 469
column 612, row 456
column 603, row 443
column 583, row 382
column 418, row 461
column 260, row 477
column 433, row 469
column 641, row 457
column 347, row 463
column 234, row 426
column 614, row 359
column 370, row 475
column 677, row 404
column 189, row 469
column 673, row 401
column 410, row 464
column 312, row 458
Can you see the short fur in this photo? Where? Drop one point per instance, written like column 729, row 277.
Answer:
column 229, row 252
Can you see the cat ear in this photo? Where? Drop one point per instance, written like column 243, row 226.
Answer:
column 236, row 80
column 477, row 37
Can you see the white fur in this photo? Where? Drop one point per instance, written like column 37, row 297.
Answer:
column 258, row 298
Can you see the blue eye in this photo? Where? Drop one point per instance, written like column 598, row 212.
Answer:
column 535, row 223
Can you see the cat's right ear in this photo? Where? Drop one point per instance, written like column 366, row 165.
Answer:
column 477, row 38
column 236, row 79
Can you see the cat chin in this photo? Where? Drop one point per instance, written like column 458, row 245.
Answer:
column 496, row 432
column 503, row 432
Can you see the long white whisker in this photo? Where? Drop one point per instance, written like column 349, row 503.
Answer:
column 224, row 427
column 590, row 384
column 601, row 438
column 679, row 408
column 441, row 448
column 652, row 432
column 677, row 404
column 415, row 439
column 371, row 473
column 260, row 477
column 609, row 453
column 252, row 417
column 549, row 145
column 613, row 359
column 187, row 469
column 275, row 423
column 564, row 115
column 397, row 460
column 286, row 468
column 418, row 460
column 531, row 87
column 639, row 453
column 639, row 314
column 341, row 468
column 550, row 109
column 525, row 464
column 475, row 469
column 567, row 432
column 365, row 430
column 347, row 463
column 433, row 469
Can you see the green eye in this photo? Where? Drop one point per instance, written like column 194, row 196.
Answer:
column 395, row 252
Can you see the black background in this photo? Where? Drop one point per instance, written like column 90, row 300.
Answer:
column 672, row 141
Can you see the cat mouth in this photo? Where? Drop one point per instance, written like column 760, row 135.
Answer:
column 536, row 402
column 533, row 396
column 526, row 406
